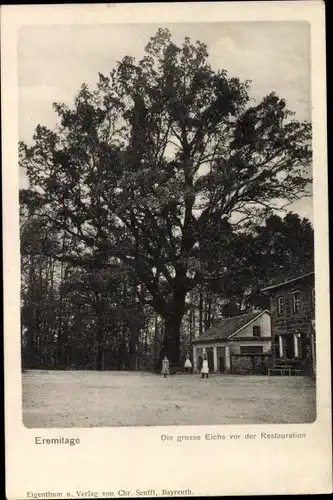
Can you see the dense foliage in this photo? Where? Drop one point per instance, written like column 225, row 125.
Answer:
column 145, row 204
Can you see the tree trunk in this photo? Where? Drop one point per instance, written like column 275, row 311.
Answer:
column 99, row 355
column 200, row 313
column 31, row 348
column 63, row 276
column 171, row 341
column 173, row 320
column 100, row 317
column 194, row 323
column 209, row 315
column 156, row 358
column 191, row 324
column 121, row 354
column 206, row 312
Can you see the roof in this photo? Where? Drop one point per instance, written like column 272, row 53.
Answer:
column 228, row 327
column 286, row 281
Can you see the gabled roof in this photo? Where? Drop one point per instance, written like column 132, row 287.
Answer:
column 228, row 327
column 291, row 279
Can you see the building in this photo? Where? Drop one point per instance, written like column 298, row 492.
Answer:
column 293, row 320
column 247, row 335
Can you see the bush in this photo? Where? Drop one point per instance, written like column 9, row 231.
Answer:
column 242, row 366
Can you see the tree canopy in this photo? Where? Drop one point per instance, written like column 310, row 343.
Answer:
column 158, row 164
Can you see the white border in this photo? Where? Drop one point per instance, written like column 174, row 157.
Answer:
column 130, row 458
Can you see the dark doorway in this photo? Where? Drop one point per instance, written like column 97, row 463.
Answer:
column 210, row 358
column 289, row 346
column 222, row 365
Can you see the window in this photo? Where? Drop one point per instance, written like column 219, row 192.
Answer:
column 256, row 331
column 280, row 305
column 296, row 301
column 251, row 349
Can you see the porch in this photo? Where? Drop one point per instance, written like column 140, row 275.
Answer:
column 224, row 358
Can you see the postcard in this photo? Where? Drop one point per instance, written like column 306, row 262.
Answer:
column 166, row 262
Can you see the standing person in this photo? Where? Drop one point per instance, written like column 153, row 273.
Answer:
column 165, row 367
column 188, row 365
column 205, row 368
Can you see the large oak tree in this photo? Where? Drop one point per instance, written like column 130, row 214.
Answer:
column 164, row 149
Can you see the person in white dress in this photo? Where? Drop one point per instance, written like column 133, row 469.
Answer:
column 165, row 367
column 205, row 367
column 188, row 365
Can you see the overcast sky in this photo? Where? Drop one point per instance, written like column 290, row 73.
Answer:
column 53, row 61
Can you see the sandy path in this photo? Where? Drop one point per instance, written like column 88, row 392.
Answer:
column 100, row 399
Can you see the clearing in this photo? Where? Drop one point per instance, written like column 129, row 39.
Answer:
column 108, row 399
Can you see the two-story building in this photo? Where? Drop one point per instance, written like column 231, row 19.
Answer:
column 293, row 319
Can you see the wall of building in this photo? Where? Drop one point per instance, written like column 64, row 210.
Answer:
column 290, row 321
column 224, row 349
column 235, row 348
column 233, row 345
column 264, row 321
column 293, row 327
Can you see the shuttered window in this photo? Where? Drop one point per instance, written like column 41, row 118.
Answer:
column 257, row 331
column 296, row 301
column 280, row 305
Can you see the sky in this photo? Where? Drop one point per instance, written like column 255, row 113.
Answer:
column 53, row 61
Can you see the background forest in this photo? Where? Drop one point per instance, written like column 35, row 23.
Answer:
column 61, row 302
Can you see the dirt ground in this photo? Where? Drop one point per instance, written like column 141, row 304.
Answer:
column 108, row 399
